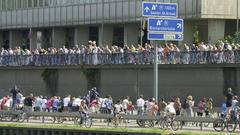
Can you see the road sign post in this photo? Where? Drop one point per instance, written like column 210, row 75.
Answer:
column 160, row 28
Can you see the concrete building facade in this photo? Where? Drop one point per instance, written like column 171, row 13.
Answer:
column 119, row 81
column 71, row 22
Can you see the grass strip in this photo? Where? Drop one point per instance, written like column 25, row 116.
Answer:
column 110, row 129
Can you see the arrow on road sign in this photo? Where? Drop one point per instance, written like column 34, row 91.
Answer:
column 179, row 36
column 179, row 25
column 147, row 9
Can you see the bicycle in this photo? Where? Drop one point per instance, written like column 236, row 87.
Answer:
column 87, row 121
column 5, row 115
column 167, row 122
column 118, row 121
column 229, row 123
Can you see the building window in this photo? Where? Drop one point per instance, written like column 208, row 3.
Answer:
column 9, row 2
column 0, row 4
column 24, row 3
column 19, row 2
column 35, row 3
column 4, row 4
column 118, row 36
column 93, row 34
column 41, row 3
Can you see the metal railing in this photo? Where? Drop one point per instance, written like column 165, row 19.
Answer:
column 192, row 57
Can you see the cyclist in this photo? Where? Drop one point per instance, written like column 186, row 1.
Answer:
column 83, row 110
column 140, row 105
column 118, row 108
column 234, row 112
column 170, row 110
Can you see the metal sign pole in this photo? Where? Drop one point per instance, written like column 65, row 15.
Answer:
column 155, row 71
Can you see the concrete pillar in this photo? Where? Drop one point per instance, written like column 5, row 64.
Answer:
column 1, row 39
column 58, row 37
column 108, row 35
column 216, row 30
column 131, row 33
column 16, row 38
column 33, row 39
column 188, row 32
column 81, row 35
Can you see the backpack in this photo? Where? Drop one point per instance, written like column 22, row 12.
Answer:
column 185, row 105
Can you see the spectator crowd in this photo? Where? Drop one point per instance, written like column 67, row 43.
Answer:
column 91, row 54
column 94, row 103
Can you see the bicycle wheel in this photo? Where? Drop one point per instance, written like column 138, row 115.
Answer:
column 218, row 125
column 141, row 123
column 206, row 124
column 76, row 120
column 231, row 125
column 122, row 123
column 88, row 122
column 22, row 117
column 162, row 124
column 149, row 123
column 114, row 122
column 175, row 125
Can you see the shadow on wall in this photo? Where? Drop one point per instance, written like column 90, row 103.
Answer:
column 50, row 78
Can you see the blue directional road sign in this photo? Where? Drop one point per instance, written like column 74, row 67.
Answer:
column 165, row 25
column 156, row 9
column 165, row 36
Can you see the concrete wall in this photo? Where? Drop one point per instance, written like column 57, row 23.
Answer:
column 16, row 37
column 131, row 33
column 174, row 81
column 81, row 35
column 72, row 82
column 107, row 35
column 29, row 81
column 1, row 39
column 4, row 130
column 216, row 30
column 33, row 40
column 188, row 32
column 59, row 37
column 225, row 9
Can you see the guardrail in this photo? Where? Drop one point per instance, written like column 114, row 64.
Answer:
column 75, row 115
column 171, row 57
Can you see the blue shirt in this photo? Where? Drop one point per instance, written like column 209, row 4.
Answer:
column 224, row 108
column 55, row 103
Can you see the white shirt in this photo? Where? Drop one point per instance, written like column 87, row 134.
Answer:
column 140, row 102
column 76, row 102
column 66, row 101
column 149, row 106
column 118, row 107
column 170, row 108
column 44, row 102
column 125, row 103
